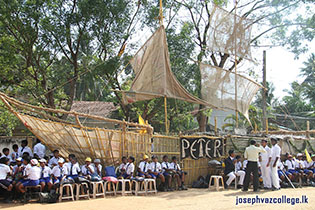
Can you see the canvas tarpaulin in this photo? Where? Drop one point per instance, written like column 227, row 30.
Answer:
column 154, row 77
column 218, row 87
column 225, row 29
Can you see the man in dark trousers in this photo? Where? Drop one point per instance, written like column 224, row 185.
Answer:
column 252, row 154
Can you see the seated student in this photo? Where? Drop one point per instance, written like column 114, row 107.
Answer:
column 5, row 170
column 144, row 167
column 167, row 172
column 244, row 164
column 54, row 160
column 122, row 167
column 230, row 171
column 290, row 168
column 59, row 172
column 73, row 168
column 33, row 175
column 308, row 174
column 87, row 170
column 45, row 172
column 155, row 170
column 17, row 171
column 24, row 148
column 178, row 174
column 24, row 170
column 14, row 155
column 97, row 167
column 39, row 149
column 6, row 153
column 312, row 165
column 238, row 164
column 282, row 173
column 130, row 168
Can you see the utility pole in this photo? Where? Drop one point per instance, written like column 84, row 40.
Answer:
column 264, row 94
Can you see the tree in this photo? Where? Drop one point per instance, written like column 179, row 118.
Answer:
column 308, row 71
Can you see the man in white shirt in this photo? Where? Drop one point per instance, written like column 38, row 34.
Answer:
column 39, row 149
column 73, row 168
column 97, row 167
column 24, row 148
column 144, row 167
column 275, row 157
column 54, row 160
column 87, row 170
column 265, row 159
column 252, row 154
column 155, row 170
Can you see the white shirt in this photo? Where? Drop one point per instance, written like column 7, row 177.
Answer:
column 155, row 167
column 280, row 165
column 34, row 173
column 275, row 152
column 53, row 161
column 252, row 152
column 307, row 164
column 175, row 166
column 245, row 164
column 40, row 150
column 165, row 165
column 99, row 168
column 14, row 156
column 26, row 170
column 290, row 164
column 130, row 168
column 122, row 166
column 25, row 149
column 85, row 171
column 265, row 156
column 300, row 164
column 238, row 166
column 144, row 166
column 7, row 156
column 58, row 171
column 45, row 172
column 75, row 168
column 4, row 170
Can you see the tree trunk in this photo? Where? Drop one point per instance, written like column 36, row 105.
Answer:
column 202, row 119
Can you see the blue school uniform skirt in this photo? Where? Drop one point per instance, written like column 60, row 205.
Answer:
column 31, row 183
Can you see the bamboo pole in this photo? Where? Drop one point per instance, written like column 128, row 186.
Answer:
column 307, row 129
column 161, row 13
column 235, row 61
column 165, row 110
column 267, row 126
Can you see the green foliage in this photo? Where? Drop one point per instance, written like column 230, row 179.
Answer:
column 7, row 121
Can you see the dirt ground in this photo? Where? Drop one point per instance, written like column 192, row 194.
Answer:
column 193, row 199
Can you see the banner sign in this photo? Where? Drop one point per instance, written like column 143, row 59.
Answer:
column 201, row 147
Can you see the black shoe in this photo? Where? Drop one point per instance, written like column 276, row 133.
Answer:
column 226, row 186
column 239, row 186
column 170, row 189
column 244, row 190
column 184, row 187
column 257, row 190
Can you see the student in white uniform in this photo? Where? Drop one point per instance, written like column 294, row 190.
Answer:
column 33, row 176
column 144, row 167
column 59, row 172
column 54, row 160
column 275, row 157
column 14, row 155
column 87, row 170
column 130, row 168
column 122, row 167
column 45, row 173
column 167, row 172
column 265, row 159
column 178, row 174
column 73, row 168
column 303, row 169
column 97, row 167
column 6, row 154
column 39, row 149
column 155, row 170
column 25, row 148
column 5, row 170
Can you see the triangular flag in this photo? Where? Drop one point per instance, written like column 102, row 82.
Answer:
column 308, row 157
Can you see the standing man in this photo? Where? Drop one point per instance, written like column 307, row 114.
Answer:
column 230, row 171
column 265, row 159
column 275, row 156
column 252, row 154
column 24, row 148
column 39, row 149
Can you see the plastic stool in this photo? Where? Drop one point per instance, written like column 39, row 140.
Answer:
column 110, row 188
column 216, row 183
column 124, row 184
column 80, row 191
column 150, row 186
column 69, row 192
column 98, row 189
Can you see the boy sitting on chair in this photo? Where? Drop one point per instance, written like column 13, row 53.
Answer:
column 87, row 169
column 45, row 175
column 33, row 175
column 144, row 167
column 155, row 170
column 4, row 182
column 167, row 172
column 130, row 168
column 122, row 167
column 59, row 172
column 178, row 174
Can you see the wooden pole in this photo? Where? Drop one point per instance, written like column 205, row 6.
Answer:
column 267, row 127
column 307, row 129
column 165, row 109
column 264, row 94
column 161, row 13
column 235, row 62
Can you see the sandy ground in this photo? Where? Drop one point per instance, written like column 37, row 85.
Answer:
column 193, row 199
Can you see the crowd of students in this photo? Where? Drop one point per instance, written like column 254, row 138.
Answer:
column 290, row 170
column 22, row 168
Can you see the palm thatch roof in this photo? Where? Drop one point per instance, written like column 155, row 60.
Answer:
column 99, row 108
